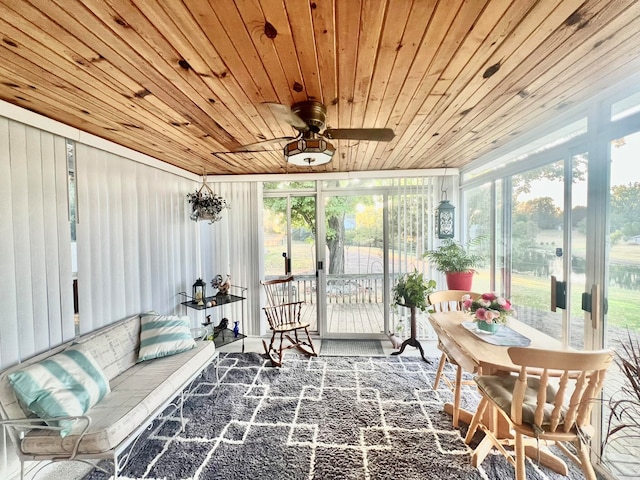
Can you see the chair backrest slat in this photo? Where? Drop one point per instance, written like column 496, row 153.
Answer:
column 278, row 291
column 556, row 415
column 581, row 375
column 448, row 300
column 542, row 397
column 284, row 314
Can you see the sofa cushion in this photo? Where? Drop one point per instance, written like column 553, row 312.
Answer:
column 66, row 384
column 162, row 335
column 115, row 346
column 135, row 395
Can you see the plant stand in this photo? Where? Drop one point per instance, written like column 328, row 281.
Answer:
column 412, row 340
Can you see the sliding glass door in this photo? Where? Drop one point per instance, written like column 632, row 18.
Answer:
column 289, row 226
column 548, row 247
column 346, row 242
column 355, row 266
column 621, row 328
column 572, row 216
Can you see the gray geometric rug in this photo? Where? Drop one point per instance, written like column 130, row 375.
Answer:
column 325, row 418
column 352, row 348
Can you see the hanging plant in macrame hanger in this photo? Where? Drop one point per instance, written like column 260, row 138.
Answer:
column 206, row 205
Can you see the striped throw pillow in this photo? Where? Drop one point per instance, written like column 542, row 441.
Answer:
column 162, row 335
column 66, row 384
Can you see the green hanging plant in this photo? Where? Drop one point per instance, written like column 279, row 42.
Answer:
column 206, row 205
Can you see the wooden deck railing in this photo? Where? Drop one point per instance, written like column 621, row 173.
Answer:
column 343, row 288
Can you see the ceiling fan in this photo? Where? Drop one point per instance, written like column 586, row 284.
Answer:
column 311, row 146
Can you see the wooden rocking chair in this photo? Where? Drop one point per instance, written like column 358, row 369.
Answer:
column 283, row 316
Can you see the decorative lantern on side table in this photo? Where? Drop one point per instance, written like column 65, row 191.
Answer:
column 199, row 292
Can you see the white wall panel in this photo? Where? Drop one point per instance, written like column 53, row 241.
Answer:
column 37, row 238
column 22, row 236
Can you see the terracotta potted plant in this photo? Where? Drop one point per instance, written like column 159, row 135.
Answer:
column 457, row 262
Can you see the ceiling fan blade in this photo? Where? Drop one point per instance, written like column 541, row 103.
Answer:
column 285, row 113
column 261, row 146
column 375, row 134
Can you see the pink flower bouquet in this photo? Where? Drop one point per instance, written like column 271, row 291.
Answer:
column 488, row 307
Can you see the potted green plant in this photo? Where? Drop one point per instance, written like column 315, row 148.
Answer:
column 411, row 290
column 457, row 262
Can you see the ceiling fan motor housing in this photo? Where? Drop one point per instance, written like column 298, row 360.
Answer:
column 313, row 113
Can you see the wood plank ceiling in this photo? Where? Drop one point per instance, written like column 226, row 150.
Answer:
column 180, row 80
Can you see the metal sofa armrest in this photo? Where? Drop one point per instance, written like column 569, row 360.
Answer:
column 23, row 425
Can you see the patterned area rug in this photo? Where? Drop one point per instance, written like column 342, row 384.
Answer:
column 353, row 348
column 323, row 418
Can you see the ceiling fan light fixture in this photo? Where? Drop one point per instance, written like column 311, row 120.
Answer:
column 309, row 152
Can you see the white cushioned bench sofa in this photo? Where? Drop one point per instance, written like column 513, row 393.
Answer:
column 137, row 390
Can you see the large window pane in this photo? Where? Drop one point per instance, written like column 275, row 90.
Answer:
column 623, row 295
column 536, row 236
column 479, row 210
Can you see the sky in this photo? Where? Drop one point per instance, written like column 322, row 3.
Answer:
column 625, row 169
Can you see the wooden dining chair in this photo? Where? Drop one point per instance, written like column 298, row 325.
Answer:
column 548, row 402
column 446, row 301
column 283, row 315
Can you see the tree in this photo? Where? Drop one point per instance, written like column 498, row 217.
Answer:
column 578, row 216
column 541, row 210
column 625, row 203
column 303, row 215
column 553, row 171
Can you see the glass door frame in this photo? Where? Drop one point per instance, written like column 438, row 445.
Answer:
column 399, row 195
column 288, row 195
column 598, row 246
column 323, row 195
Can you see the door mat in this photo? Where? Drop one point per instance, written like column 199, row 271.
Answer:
column 351, row 348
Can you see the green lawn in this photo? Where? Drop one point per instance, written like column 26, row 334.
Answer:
column 623, row 309
column 624, row 304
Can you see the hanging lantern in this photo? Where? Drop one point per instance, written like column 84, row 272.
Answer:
column 199, row 292
column 445, row 212
column 445, row 220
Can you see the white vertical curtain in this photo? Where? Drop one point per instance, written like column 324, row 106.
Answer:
column 137, row 247
column 232, row 246
column 412, row 233
column 36, row 286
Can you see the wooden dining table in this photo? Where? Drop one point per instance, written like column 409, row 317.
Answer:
column 477, row 356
